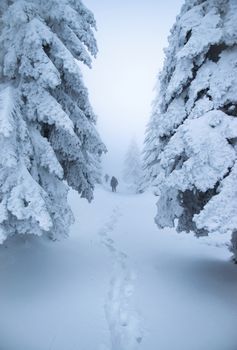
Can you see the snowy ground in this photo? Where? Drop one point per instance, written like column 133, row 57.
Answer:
column 118, row 284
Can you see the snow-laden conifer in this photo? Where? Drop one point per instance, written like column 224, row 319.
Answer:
column 149, row 154
column 196, row 121
column 48, row 138
column 132, row 173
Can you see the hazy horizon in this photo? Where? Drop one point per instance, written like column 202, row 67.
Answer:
column 131, row 38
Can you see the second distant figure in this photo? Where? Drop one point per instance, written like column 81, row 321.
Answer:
column 114, row 183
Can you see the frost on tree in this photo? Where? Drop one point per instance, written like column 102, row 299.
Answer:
column 132, row 174
column 196, row 121
column 48, row 138
column 150, row 156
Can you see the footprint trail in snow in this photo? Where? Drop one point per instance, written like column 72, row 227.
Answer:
column 124, row 322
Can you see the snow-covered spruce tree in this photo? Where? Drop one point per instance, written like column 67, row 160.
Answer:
column 48, row 138
column 132, row 174
column 149, row 154
column 196, row 121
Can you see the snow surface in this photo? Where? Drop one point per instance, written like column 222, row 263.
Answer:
column 117, row 283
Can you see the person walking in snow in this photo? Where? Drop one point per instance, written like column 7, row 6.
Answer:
column 114, row 183
column 106, row 178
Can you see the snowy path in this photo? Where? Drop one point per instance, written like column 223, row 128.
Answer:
column 117, row 283
column 123, row 321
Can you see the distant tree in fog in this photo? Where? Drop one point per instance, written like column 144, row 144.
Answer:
column 132, row 174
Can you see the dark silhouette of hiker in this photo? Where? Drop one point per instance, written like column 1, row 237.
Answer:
column 114, row 184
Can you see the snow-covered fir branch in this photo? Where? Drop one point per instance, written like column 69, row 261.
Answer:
column 48, row 139
column 191, row 146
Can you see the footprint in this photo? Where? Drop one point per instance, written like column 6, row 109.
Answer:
column 102, row 233
column 110, row 247
column 123, row 321
column 123, row 255
column 110, row 240
column 128, row 290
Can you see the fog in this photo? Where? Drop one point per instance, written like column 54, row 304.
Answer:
column 131, row 37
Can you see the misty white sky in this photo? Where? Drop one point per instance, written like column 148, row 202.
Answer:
column 131, row 37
